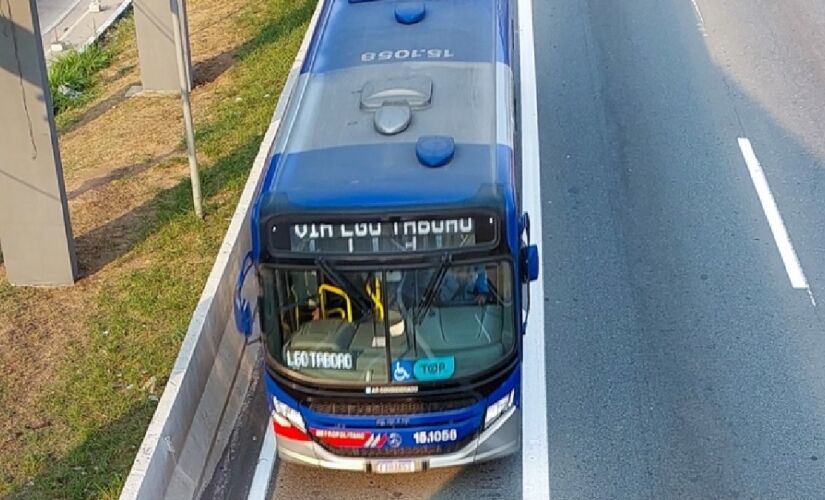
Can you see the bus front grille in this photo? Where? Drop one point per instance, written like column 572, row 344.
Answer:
column 420, row 451
column 381, row 408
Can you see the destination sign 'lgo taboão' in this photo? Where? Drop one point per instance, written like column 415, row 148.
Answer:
column 387, row 236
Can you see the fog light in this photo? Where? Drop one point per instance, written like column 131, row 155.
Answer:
column 498, row 408
column 291, row 415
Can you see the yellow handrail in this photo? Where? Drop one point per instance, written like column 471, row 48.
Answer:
column 337, row 291
column 337, row 311
column 376, row 298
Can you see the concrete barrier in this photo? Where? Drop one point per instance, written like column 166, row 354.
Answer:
column 212, row 373
column 80, row 26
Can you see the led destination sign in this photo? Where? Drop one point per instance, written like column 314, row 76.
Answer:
column 383, row 237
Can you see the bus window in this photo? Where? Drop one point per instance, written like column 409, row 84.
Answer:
column 466, row 325
column 321, row 330
column 425, row 324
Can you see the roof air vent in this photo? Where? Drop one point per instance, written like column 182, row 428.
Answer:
column 435, row 150
column 392, row 118
column 393, row 101
column 416, row 91
column 410, row 12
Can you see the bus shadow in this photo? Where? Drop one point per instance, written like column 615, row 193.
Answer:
column 490, row 480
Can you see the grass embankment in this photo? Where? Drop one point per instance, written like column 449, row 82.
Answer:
column 74, row 76
column 71, row 75
column 82, row 368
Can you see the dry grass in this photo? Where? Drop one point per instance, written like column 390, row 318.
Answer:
column 77, row 364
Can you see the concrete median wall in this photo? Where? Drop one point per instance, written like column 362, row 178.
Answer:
column 212, row 374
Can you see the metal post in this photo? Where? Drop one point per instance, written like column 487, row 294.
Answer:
column 183, row 75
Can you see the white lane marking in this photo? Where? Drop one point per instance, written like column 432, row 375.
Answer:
column 535, row 467
column 700, row 17
column 780, row 234
column 266, row 461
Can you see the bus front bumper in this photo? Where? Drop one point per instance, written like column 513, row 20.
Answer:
column 501, row 439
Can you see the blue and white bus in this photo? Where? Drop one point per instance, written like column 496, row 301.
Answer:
column 389, row 244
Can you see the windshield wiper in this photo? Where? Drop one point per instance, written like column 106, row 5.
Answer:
column 432, row 289
column 358, row 296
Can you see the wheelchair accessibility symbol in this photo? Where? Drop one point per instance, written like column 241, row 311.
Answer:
column 402, row 370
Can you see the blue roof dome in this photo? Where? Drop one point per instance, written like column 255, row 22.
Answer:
column 435, row 150
column 410, row 12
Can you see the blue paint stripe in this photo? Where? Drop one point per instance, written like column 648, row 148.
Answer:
column 503, row 34
column 255, row 219
column 350, row 35
column 406, row 435
column 386, row 175
column 426, row 419
column 466, row 420
column 315, row 41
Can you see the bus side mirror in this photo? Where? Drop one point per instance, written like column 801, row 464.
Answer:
column 524, row 225
column 241, row 306
column 530, row 262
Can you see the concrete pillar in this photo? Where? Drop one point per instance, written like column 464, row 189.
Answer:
column 35, row 231
column 156, row 45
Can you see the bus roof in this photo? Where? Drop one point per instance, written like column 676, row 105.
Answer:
column 373, row 89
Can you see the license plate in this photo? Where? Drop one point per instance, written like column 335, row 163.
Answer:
column 393, row 466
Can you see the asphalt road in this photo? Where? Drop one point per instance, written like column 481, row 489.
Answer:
column 50, row 11
column 681, row 362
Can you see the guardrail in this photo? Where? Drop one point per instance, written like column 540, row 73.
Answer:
column 212, row 373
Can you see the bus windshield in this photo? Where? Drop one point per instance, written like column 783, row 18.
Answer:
column 426, row 324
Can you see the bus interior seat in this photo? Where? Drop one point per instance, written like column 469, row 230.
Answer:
column 459, row 331
column 370, row 353
column 331, row 334
column 462, row 327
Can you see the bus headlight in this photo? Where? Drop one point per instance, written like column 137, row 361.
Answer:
column 498, row 408
column 288, row 413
